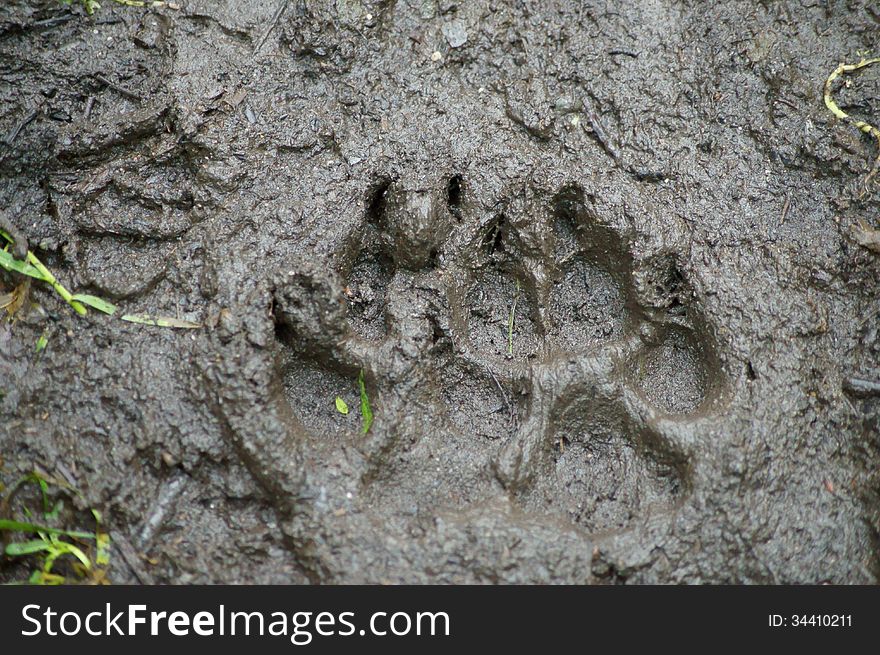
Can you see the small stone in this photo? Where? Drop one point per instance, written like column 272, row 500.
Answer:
column 455, row 33
column 436, row 56
column 427, row 9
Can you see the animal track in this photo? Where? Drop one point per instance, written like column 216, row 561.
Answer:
column 512, row 356
column 366, row 291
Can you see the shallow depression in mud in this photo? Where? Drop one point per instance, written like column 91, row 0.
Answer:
column 586, row 307
column 500, row 316
column 478, row 403
column 674, row 374
column 312, row 389
column 601, row 477
column 366, row 294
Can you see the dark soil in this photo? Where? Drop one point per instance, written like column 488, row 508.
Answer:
column 596, row 260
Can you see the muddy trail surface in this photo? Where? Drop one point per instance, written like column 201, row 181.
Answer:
column 600, row 264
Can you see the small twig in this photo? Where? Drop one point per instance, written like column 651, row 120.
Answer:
column 168, row 496
column 55, row 21
column 503, row 395
column 131, row 558
column 861, row 388
column 66, row 473
column 598, row 132
column 647, row 175
column 272, row 24
column 621, row 51
column 642, row 175
column 90, row 103
column 787, row 103
column 510, row 321
column 119, row 89
column 14, row 132
column 785, row 209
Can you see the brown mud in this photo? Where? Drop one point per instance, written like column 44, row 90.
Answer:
column 596, row 261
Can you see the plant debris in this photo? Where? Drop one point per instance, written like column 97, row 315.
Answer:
column 34, row 268
column 510, row 321
column 53, row 545
column 366, row 410
column 837, row 111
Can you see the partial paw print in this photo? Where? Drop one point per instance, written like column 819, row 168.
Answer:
column 536, row 284
column 439, row 417
column 132, row 198
column 515, row 351
column 613, row 370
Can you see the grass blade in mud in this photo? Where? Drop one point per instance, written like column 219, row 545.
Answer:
column 96, row 303
column 22, row 526
column 35, row 269
column 10, row 263
column 21, row 548
column 43, row 274
column 161, row 321
column 366, row 410
column 102, row 557
column 510, row 321
column 59, row 289
column 861, row 125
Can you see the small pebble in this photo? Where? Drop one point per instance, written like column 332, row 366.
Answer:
column 455, row 33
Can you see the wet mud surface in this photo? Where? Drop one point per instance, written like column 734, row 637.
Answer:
column 596, row 261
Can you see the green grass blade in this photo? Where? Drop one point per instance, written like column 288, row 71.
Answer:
column 102, row 557
column 21, row 526
column 44, row 492
column 65, row 548
column 21, row 548
column 366, row 410
column 161, row 321
column 10, row 263
column 43, row 274
column 96, row 303
column 59, row 289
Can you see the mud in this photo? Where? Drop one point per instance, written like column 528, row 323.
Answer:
column 597, row 261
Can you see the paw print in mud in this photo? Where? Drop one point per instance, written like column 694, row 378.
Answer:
column 533, row 386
